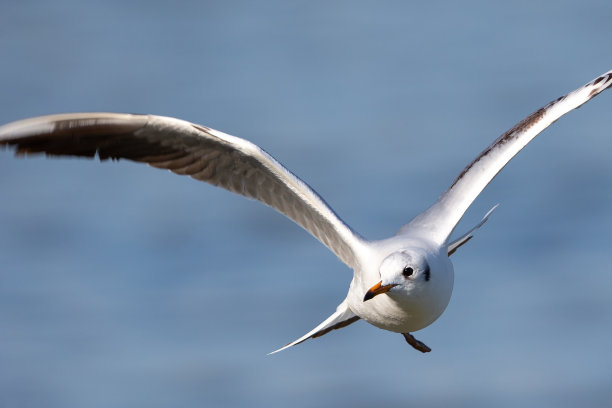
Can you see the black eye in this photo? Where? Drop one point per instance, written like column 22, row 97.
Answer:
column 408, row 271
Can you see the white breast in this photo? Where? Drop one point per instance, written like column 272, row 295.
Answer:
column 402, row 312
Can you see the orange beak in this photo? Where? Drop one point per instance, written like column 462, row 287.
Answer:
column 377, row 290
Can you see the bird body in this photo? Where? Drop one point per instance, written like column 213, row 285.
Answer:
column 414, row 307
column 401, row 284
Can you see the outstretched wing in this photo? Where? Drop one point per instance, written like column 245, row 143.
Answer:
column 439, row 220
column 185, row 148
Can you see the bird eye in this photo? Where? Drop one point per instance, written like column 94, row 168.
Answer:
column 408, row 271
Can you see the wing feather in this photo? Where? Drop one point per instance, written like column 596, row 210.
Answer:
column 439, row 220
column 185, row 148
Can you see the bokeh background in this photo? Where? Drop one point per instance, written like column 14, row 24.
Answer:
column 126, row 286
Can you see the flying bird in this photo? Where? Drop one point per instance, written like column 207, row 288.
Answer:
column 402, row 283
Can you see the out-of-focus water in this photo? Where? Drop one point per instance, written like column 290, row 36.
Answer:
column 122, row 285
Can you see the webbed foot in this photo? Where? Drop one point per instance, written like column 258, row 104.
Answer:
column 419, row 345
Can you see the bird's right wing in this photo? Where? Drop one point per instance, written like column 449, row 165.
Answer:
column 186, row 148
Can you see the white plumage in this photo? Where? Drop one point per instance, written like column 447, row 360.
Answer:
column 402, row 283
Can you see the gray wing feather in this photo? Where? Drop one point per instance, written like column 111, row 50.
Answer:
column 185, row 148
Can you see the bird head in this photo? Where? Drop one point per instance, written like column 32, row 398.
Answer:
column 402, row 271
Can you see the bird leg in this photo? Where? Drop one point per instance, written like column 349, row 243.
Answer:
column 419, row 345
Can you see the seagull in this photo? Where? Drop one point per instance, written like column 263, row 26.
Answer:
column 402, row 283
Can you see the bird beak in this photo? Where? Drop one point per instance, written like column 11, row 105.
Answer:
column 377, row 290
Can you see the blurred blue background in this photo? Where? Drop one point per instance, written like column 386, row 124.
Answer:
column 126, row 286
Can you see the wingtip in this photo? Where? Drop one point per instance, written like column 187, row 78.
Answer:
column 600, row 84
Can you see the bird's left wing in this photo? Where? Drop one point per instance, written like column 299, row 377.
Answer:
column 185, row 148
column 439, row 220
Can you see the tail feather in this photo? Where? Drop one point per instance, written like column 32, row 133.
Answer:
column 341, row 318
column 453, row 246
